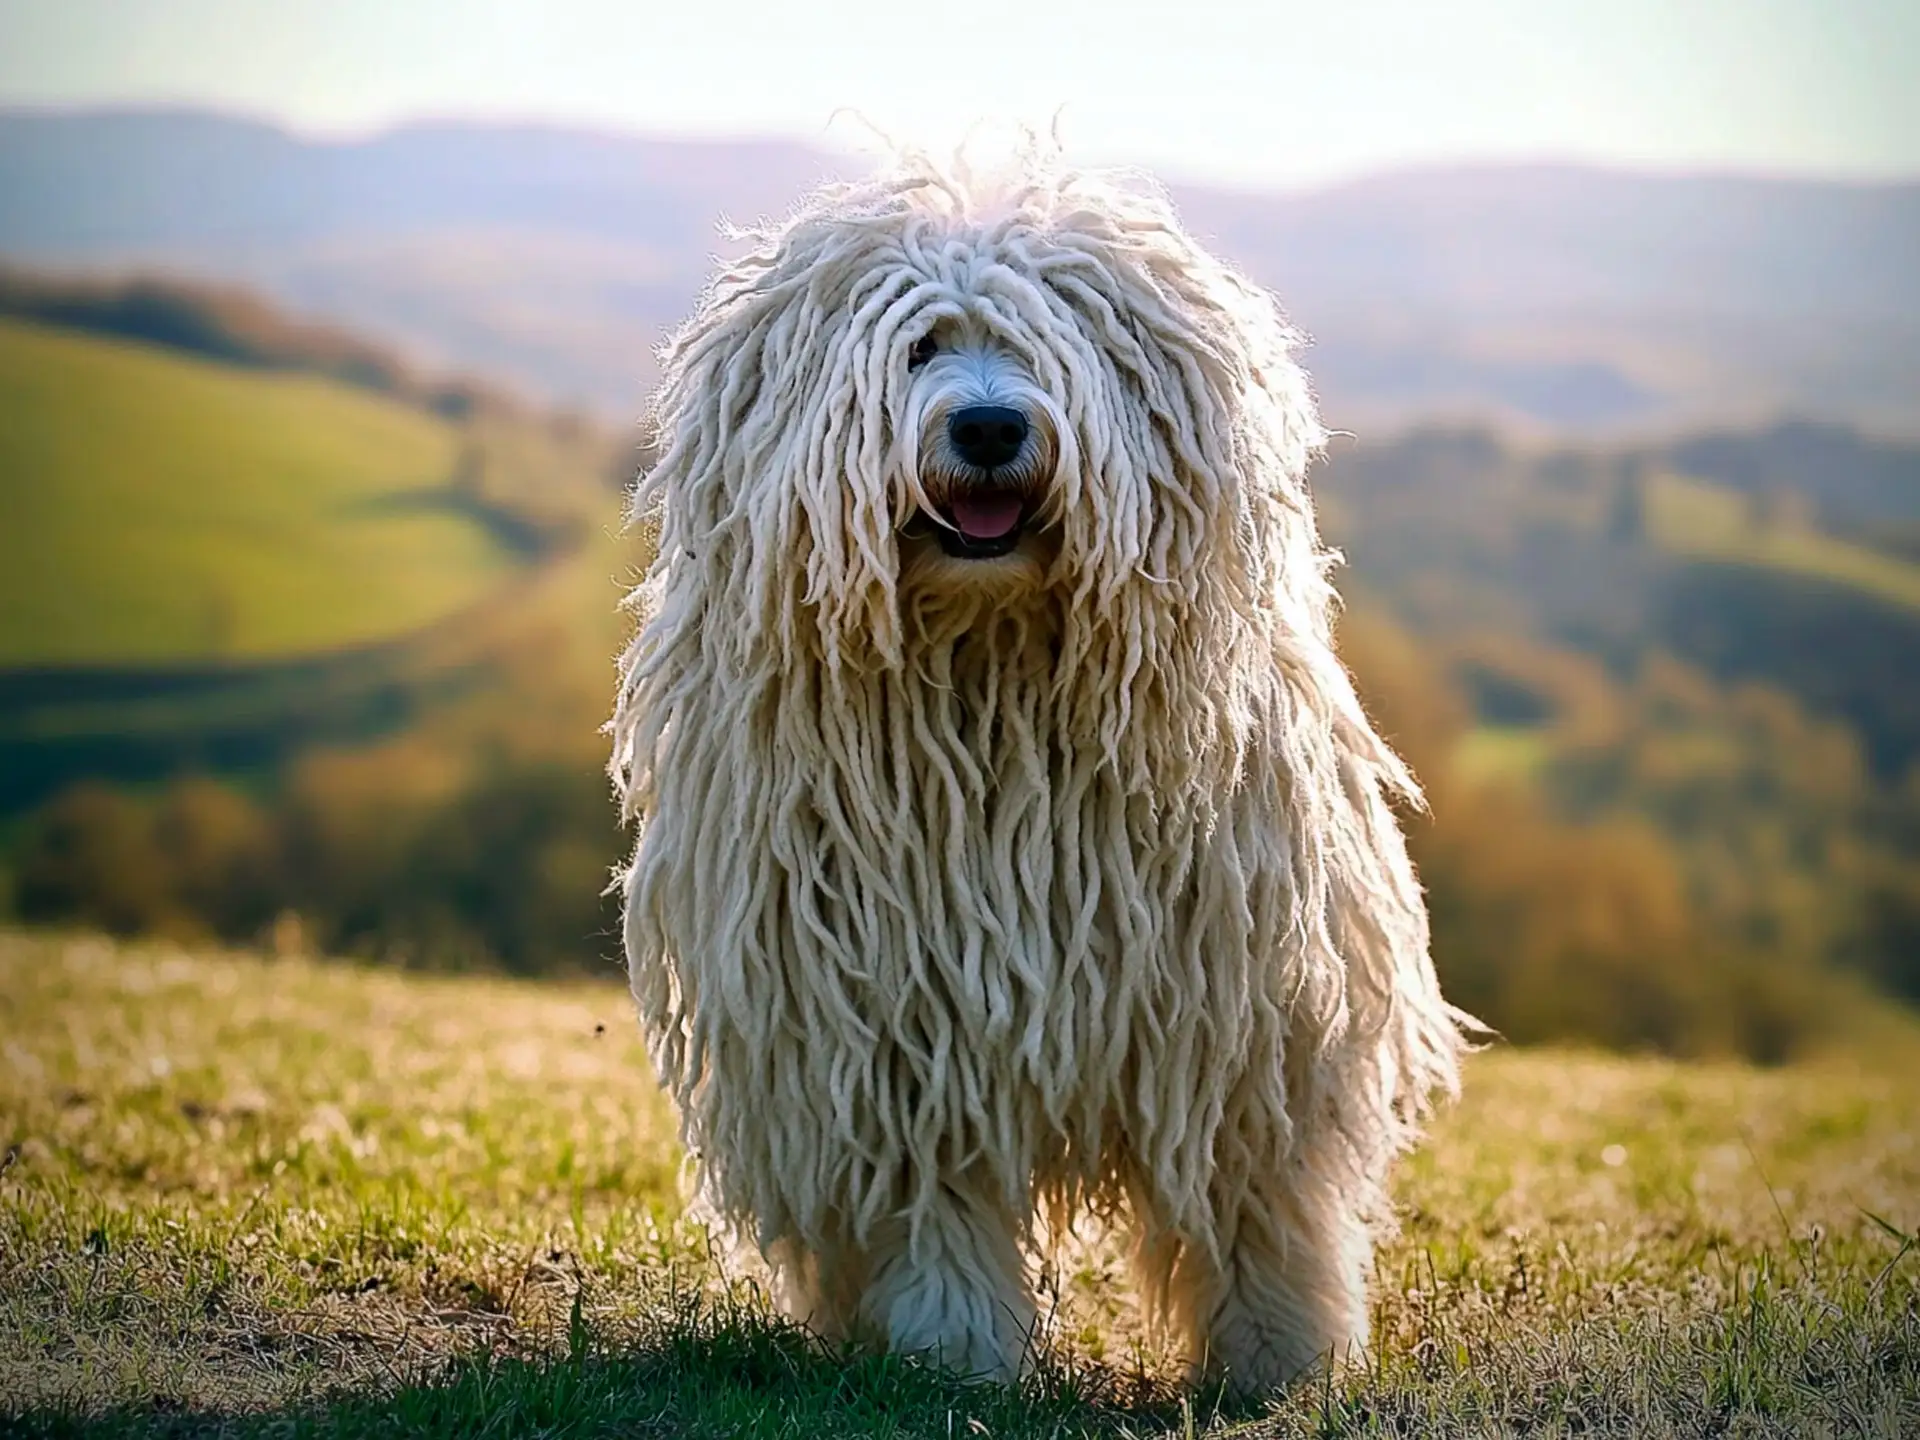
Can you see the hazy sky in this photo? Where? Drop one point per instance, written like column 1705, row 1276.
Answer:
column 1249, row 92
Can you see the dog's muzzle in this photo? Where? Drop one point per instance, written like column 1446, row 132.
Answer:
column 992, row 486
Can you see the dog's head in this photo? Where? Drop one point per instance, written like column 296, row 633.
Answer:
column 923, row 389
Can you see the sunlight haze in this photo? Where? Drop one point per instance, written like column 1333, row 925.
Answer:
column 1250, row 94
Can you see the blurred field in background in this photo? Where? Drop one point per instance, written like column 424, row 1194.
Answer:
column 164, row 509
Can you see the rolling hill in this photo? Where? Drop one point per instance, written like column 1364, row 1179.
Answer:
column 212, row 565
column 1703, row 521
column 1710, row 549
column 1550, row 297
column 166, row 510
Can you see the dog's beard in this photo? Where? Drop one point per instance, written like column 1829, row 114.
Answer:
column 931, row 570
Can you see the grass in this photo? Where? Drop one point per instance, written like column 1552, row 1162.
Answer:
column 163, row 510
column 275, row 1197
column 1709, row 522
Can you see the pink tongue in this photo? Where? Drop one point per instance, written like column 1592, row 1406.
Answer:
column 986, row 517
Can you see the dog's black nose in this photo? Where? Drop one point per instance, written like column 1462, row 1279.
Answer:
column 987, row 435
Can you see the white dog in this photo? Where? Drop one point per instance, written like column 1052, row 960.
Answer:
column 1011, row 838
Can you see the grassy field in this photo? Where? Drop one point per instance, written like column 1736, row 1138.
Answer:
column 161, row 509
column 266, row 1197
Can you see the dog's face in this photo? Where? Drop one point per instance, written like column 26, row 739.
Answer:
column 982, row 444
column 917, row 397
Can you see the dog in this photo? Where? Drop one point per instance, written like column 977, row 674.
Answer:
column 1011, row 839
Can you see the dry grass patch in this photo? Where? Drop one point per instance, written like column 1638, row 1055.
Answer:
column 263, row 1197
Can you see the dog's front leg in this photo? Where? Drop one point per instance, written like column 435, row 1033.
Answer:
column 953, row 1286
column 1287, row 1292
column 1292, row 1294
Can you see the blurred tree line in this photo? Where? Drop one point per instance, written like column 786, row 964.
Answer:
column 506, row 869
column 1651, row 892
column 481, row 837
column 236, row 328
column 1627, row 893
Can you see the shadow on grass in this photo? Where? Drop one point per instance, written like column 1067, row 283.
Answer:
column 1789, row 1352
column 705, row 1372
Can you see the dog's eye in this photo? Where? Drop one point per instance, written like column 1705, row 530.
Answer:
column 922, row 351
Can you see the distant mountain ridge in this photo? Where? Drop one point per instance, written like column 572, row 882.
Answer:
column 1558, row 297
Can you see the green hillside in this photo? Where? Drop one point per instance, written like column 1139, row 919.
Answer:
column 165, row 510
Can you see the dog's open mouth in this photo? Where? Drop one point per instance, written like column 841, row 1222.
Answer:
column 980, row 524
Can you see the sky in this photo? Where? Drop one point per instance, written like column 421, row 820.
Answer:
column 1251, row 93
